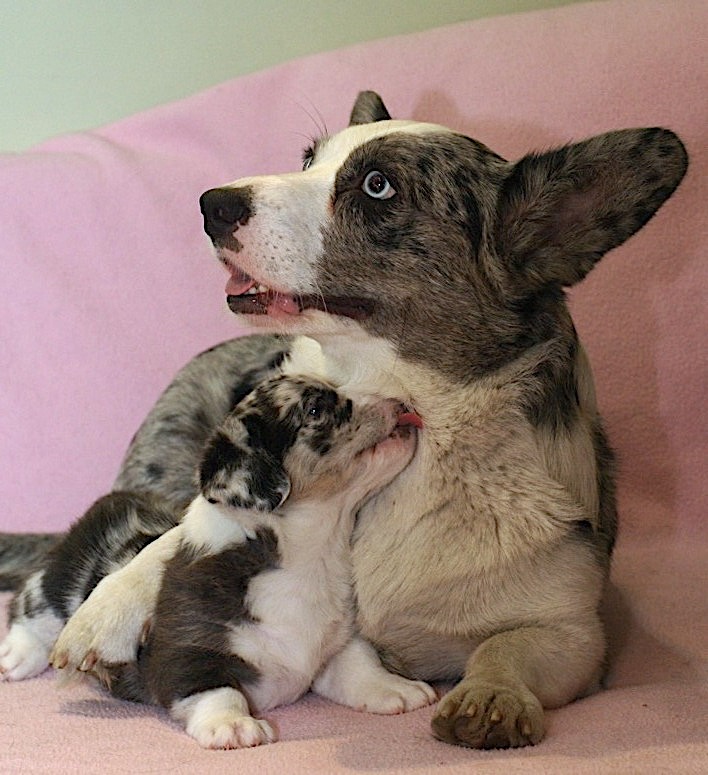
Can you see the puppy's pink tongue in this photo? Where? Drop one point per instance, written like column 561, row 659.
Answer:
column 410, row 418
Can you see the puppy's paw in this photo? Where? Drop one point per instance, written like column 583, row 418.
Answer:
column 107, row 628
column 483, row 715
column 229, row 729
column 22, row 654
column 221, row 718
column 356, row 678
column 389, row 694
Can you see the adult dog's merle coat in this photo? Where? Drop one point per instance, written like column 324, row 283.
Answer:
column 423, row 265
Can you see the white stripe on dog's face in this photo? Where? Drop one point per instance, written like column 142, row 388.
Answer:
column 425, row 239
column 280, row 248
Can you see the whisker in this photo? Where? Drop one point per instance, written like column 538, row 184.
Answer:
column 315, row 116
column 321, row 295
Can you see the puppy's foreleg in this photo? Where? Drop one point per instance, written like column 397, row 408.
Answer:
column 356, row 677
column 512, row 676
column 109, row 625
column 220, row 718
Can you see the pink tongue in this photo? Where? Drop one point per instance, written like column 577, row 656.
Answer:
column 410, row 418
column 239, row 282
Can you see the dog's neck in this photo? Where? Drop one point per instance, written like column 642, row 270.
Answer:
column 368, row 365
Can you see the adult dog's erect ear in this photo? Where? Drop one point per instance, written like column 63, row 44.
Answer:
column 368, row 108
column 242, row 477
column 559, row 212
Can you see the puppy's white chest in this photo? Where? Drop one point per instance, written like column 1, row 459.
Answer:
column 302, row 616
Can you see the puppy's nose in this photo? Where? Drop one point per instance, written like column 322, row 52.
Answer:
column 224, row 209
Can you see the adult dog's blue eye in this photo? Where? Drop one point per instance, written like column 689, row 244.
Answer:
column 376, row 186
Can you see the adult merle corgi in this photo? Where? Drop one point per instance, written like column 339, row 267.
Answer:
column 416, row 262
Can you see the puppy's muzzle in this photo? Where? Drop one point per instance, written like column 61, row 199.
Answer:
column 224, row 210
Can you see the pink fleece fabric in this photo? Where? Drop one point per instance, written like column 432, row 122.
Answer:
column 108, row 286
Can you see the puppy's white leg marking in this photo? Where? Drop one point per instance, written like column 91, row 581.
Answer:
column 24, row 652
column 220, row 718
column 356, row 677
column 108, row 626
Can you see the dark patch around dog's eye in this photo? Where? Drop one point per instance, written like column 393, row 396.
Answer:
column 318, row 402
column 435, row 176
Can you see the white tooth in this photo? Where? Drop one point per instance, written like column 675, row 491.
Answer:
column 257, row 289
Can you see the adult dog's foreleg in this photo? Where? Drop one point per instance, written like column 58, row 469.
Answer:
column 110, row 624
column 512, row 676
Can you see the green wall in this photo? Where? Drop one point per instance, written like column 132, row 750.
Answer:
column 73, row 64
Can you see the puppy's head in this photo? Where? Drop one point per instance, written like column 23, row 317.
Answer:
column 427, row 238
column 301, row 438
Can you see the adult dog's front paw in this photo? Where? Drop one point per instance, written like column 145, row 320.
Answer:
column 483, row 715
column 107, row 628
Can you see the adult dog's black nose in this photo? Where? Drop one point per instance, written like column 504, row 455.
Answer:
column 224, row 209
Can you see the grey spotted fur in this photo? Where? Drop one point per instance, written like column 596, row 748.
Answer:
column 486, row 560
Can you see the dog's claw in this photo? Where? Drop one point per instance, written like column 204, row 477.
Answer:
column 60, row 661
column 89, row 662
column 145, row 632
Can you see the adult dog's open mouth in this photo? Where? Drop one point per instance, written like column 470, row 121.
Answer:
column 245, row 295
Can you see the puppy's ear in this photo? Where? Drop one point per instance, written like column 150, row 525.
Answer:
column 242, row 477
column 559, row 212
column 268, row 483
column 367, row 109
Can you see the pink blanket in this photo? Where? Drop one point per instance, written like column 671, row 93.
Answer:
column 108, row 286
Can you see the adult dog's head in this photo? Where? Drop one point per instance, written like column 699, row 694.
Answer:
column 299, row 438
column 428, row 239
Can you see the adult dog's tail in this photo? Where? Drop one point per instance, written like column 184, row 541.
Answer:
column 22, row 553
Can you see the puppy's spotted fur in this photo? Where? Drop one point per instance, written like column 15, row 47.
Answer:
column 255, row 604
column 423, row 265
